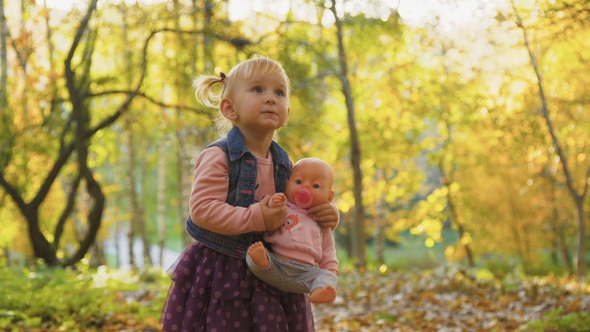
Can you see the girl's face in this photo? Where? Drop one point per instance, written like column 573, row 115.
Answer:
column 261, row 104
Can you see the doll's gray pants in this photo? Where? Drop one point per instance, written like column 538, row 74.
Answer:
column 292, row 276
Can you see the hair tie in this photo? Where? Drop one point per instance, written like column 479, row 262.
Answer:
column 222, row 75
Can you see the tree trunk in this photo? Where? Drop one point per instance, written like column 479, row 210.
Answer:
column 96, row 250
column 131, row 193
column 380, row 243
column 3, row 61
column 355, row 153
column 136, row 224
column 565, row 253
column 162, row 198
column 557, row 223
column 380, row 231
column 184, row 157
column 455, row 219
column 515, row 225
column 118, row 249
column 141, row 222
column 578, row 198
column 77, row 89
column 184, row 175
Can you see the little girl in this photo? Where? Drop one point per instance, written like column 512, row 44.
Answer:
column 213, row 289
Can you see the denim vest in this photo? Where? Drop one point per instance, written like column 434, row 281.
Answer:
column 242, row 170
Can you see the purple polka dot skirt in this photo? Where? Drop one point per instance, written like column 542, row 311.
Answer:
column 217, row 293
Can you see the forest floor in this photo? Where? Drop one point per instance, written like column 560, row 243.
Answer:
column 440, row 299
column 450, row 299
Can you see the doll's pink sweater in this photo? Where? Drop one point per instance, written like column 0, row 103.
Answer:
column 304, row 241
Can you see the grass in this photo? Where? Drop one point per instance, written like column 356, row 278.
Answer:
column 410, row 253
column 82, row 299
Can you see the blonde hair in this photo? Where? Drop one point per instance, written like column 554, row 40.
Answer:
column 242, row 73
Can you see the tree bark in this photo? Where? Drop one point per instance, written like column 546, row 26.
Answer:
column 355, row 152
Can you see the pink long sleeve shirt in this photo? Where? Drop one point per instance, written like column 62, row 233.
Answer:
column 208, row 208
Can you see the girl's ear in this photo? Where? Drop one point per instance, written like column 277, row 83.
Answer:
column 227, row 109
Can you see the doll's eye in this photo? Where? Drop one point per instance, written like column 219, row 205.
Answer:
column 316, row 186
column 298, row 181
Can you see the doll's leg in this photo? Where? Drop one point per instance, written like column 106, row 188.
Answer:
column 323, row 287
column 258, row 255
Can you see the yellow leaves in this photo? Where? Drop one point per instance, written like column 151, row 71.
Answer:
column 110, row 189
column 466, row 239
column 570, row 141
column 581, row 157
column 498, row 133
column 346, row 201
column 449, row 250
column 439, row 207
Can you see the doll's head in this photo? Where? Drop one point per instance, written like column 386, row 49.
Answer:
column 310, row 183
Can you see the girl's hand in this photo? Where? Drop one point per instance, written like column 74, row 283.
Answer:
column 325, row 214
column 273, row 217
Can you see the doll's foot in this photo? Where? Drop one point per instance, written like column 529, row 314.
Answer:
column 323, row 295
column 258, row 255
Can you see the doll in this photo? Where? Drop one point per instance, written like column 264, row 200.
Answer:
column 303, row 257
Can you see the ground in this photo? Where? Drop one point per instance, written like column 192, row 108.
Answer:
column 448, row 299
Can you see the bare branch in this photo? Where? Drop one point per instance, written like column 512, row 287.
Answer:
column 545, row 108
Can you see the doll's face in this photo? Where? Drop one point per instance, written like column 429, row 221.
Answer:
column 310, row 183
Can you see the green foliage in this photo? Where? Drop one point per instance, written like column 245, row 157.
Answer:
column 558, row 320
column 81, row 299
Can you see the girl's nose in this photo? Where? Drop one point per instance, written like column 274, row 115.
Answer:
column 270, row 98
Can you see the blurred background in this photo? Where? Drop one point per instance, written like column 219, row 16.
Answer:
column 458, row 130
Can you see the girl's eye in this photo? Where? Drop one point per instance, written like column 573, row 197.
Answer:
column 316, row 186
column 257, row 89
column 280, row 93
column 298, row 181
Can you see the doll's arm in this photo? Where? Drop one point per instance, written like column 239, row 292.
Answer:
column 329, row 260
column 276, row 200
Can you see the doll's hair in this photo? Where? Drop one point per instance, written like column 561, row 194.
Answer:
column 242, row 73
